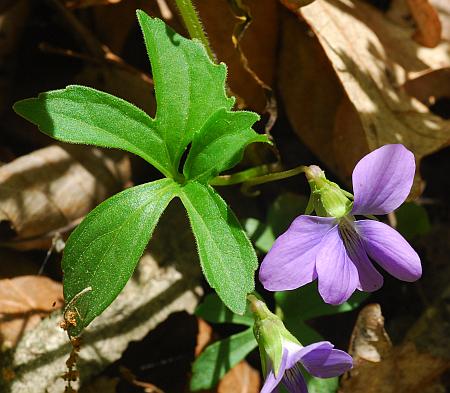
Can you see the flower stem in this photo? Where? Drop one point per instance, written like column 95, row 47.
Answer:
column 193, row 24
column 257, row 175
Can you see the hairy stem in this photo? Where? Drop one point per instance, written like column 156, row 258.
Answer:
column 193, row 24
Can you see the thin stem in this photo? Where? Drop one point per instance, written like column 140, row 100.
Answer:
column 275, row 176
column 254, row 176
column 240, row 177
column 193, row 24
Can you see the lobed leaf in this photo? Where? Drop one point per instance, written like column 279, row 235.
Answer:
column 189, row 87
column 80, row 114
column 213, row 310
column 220, row 357
column 227, row 257
column 102, row 253
column 220, row 144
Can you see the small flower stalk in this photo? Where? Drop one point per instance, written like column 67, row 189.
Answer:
column 339, row 250
column 283, row 357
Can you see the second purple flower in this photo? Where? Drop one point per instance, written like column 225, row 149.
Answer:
column 339, row 250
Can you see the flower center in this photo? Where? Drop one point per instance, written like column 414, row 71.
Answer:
column 348, row 234
column 293, row 379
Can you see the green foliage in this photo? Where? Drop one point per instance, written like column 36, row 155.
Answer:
column 227, row 256
column 213, row 310
column 192, row 108
column 306, row 302
column 412, row 220
column 220, row 357
column 79, row 114
column 219, row 145
column 279, row 216
column 189, row 87
column 102, row 252
column 260, row 234
column 321, row 385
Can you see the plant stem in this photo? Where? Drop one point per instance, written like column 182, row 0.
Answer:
column 254, row 176
column 193, row 24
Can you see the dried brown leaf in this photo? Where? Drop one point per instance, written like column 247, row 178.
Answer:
column 204, row 336
column 51, row 188
column 258, row 44
column 23, row 302
column 429, row 27
column 372, row 59
column 409, row 367
column 242, row 378
column 443, row 9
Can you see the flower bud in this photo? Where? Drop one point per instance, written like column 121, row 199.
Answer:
column 327, row 198
column 270, row 333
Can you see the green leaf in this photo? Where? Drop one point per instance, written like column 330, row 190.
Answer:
column 303, row 332
column 79, row 114
column 220, row 357
column 283, row 210
column 260, row 234
column 279, row 216
column 102, row 252
column 220, row 144
column 412, row 220
column 189, row 87
column 307, row 303
column 213, row 310
column 321, row 385
column 226, row 255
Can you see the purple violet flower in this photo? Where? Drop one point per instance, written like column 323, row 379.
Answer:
column 283, row 357
column 339, row 250
column 319, row 359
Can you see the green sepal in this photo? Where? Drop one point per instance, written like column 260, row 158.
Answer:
column 327, row 198
column 270, row 333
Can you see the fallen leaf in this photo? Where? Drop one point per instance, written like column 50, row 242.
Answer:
column 417, row 362
column 242, row 378
column 204, row 336
column 24, row 301
column 372, row 58
column 429, row 27
column 259, row 43
column 443, row 9
column 51, row 188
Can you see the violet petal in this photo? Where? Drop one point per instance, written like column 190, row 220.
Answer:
column 382, row 180
column 325, row 362
column 290, row 263
column 390, row 250
column 338, row 276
